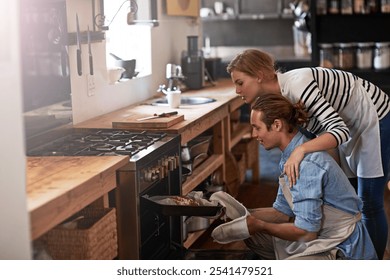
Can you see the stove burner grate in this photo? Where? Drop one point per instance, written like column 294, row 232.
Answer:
column 99, row 143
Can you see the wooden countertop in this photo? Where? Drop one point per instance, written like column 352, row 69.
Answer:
column 58, row 187
column 197, row 118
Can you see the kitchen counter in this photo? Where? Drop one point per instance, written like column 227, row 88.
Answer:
column 197, row 118
column 58, row 187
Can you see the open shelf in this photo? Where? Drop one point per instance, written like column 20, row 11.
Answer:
column 202, row 172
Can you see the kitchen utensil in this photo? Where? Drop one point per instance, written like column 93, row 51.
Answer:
column 173, row 71
column 199, row 159
column 114, row 74
column 199, row 145
column 90, row 53
column 128, row 65
column 197, row 223
column 185, row 153
column 158, row 123
column 162, row 115
column 78, row 39
column 115, row 56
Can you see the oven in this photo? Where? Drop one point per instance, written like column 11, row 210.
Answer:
column 154, row 168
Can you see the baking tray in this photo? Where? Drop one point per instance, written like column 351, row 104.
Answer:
column 181, row 210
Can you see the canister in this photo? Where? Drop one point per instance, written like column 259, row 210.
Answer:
column 326, row 55
column 344, row 55
column 382, row 55
column 346, row 7
column 364, row 55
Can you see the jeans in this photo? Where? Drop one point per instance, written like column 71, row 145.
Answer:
column 371, row 191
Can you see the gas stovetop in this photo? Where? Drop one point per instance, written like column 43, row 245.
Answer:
column 100, row 142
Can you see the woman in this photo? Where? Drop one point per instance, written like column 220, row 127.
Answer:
column 344, row 111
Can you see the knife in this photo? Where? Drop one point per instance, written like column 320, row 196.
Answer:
column 155, row 116
column 79, row 67
column 90, row 53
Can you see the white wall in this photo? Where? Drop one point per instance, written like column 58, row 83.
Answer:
column 169, row 39
column 14, row 223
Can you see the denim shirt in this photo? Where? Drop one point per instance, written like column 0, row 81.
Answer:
column 322, row 181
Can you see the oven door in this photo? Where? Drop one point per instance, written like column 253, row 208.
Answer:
column 144, row 233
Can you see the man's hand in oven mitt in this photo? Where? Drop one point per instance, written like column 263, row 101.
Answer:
column 236, row 229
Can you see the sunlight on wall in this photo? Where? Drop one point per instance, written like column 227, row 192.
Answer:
column 127, row 41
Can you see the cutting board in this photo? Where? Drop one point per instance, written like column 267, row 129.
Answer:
column 132, row 122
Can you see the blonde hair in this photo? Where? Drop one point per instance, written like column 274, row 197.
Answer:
column 276, row 106
column 251, row 61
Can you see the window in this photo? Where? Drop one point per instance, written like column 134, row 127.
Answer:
column 128, row 41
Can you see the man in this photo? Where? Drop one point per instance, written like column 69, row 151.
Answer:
column 318, row 218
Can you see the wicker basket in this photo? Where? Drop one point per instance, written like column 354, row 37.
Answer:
column 93, row 238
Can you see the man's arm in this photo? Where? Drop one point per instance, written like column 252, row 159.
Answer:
column 286, row 230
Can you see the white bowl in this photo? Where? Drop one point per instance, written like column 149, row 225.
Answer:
column 114, row 74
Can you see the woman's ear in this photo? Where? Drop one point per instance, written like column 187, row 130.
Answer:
column 260, row 76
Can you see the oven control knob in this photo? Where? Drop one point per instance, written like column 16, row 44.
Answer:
column 171, row 164
column 151, row 175
column 173, row 160
column 162, row 172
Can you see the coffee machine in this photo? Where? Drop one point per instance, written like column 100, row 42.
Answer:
column 193, row 64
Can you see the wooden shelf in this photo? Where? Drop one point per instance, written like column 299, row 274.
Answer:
column 202, row 172
column 238, row 133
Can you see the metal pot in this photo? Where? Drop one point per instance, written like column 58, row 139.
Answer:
column 185, row 153
column 195, row 223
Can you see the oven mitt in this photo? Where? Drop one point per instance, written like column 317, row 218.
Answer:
column 236, row 229
column 233, row 208
column 232, row 231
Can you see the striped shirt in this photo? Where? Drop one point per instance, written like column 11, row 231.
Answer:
column 325, row 93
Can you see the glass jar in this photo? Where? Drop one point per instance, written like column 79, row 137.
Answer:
column 385, row 6
column 344, row 56
column 364, row 55
column 326, row 55
column 382, row 55
column 346, row 7
column 358, row 7
column 334, row 6
column 321, row 7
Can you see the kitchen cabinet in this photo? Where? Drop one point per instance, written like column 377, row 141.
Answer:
column 348, row 28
